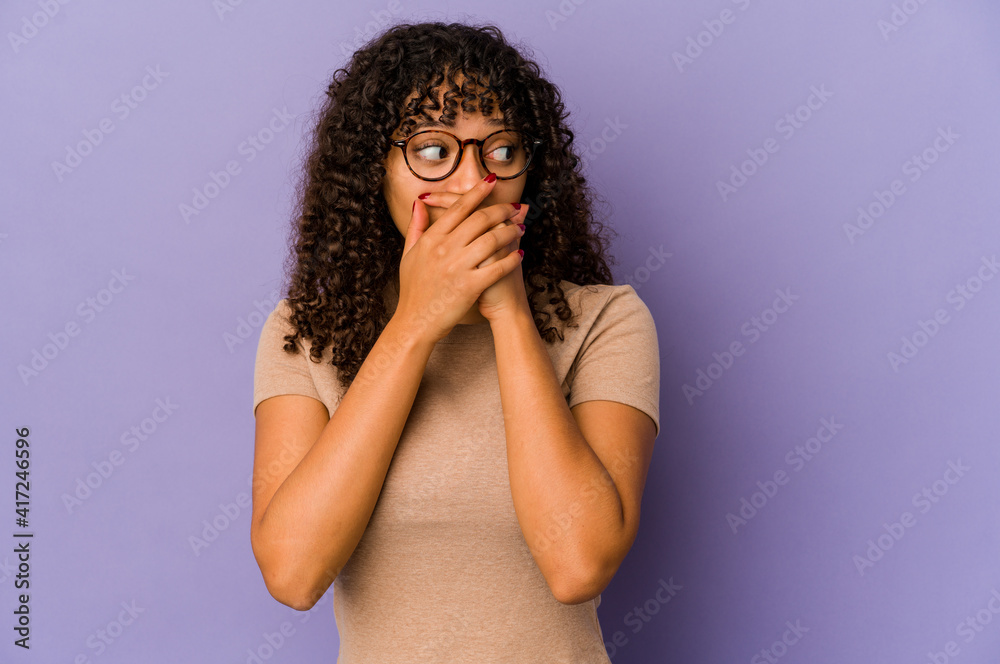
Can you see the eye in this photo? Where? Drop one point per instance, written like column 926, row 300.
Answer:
column 426, row 151
column 501, row 153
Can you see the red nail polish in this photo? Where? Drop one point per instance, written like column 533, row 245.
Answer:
column 491, row 177
column 423, row 196
column 521, row 251
column 517, row 206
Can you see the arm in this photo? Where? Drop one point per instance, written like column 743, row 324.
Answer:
column 576, row 497
column 317, row 478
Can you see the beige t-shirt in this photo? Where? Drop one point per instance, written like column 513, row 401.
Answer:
column 442, row 572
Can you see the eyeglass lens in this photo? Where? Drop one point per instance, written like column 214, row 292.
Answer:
column 433, row 154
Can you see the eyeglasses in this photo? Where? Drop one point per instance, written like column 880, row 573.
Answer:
column 433, row 155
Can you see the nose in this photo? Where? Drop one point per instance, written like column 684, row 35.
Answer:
column 469, row 171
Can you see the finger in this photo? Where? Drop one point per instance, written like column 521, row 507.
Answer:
column 485, row 249
column 464, row 206
column 487, row 219
column 494, row 271
column 521, row 215
column 442, row 199
column 418, row 224
column 445, row 199
column 516, row 219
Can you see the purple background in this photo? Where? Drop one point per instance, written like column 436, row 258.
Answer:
column 707, row 265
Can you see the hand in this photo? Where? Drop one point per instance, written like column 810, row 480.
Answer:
column 507, row 294
column 439, row 274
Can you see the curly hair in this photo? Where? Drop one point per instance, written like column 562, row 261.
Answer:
column 345, row 248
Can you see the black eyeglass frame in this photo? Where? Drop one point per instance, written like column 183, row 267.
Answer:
column 479, row 143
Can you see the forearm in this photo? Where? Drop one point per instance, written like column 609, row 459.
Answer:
column 316, row 518
column 566, row 502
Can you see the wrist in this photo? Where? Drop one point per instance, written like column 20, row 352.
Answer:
column 410, row 333
column 510, row 317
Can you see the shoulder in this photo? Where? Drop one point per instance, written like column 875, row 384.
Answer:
column 278, row 371
column 276, row 327
column 278, row 323
column 613, row 352
column 605, row 304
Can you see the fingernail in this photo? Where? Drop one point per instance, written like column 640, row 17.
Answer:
column 423, row 196
column 491, row 177
column 521, row 251
column 414, row 208
column 521, row 226
column 517, row 206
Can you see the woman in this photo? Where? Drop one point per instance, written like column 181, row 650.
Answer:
column 454, row 436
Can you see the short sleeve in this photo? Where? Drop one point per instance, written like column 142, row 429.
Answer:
column 277, row 372
column 619, row 359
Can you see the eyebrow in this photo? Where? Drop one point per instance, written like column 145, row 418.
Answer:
column 491, row 122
